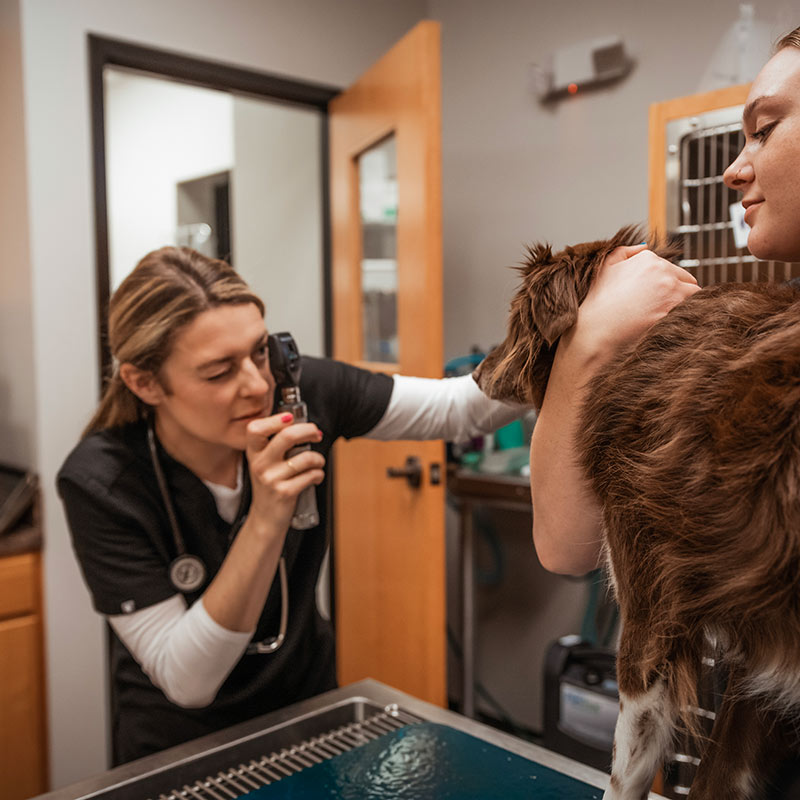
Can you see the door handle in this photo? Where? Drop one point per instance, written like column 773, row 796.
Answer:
column 412, row 472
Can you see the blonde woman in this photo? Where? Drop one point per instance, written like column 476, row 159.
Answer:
column 180, row 497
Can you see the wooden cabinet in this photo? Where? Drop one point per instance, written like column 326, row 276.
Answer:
column 23, row 739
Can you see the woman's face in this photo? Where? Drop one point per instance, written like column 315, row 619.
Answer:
column 216, row 379
column 767, row 171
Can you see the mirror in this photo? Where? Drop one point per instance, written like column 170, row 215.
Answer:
column 226, row 160
column 235, row 177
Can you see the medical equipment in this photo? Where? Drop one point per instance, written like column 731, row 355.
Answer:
column 581, row 701
column 284, row 363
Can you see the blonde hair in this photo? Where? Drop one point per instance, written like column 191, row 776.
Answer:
column 791, row 39
column 166, row 290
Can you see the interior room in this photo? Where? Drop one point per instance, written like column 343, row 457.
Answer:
column 524, row 155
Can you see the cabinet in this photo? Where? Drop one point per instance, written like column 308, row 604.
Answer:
column 23, row 740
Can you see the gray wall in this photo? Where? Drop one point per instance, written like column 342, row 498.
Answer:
column 311, row 39
column 277, row 215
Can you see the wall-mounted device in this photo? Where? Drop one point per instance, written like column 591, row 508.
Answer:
column 586, row 65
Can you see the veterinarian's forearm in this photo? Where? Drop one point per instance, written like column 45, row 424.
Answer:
column 566, row 514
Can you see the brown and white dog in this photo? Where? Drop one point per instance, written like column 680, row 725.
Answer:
column 691, row 441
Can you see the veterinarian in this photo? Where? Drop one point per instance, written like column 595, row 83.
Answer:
column 179, row 499
column 635, row 289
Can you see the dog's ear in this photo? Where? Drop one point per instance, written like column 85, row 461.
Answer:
column 669, row 247
column 665, row 246
column 545, row 305
column 554, row 301
column 558, row 284
column 505, row 373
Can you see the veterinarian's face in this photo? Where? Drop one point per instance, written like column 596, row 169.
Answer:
column 767, row 171
column 216, row 379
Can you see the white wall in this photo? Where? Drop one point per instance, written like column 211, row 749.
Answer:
column 277, row 215
column 17, row 384
column 309, row 39
column 515, row 172
column 158, row 133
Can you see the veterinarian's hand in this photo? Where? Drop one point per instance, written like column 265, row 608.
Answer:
column 634, row 289
column 276, row 480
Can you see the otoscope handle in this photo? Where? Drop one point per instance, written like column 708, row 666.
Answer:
column 306, row 514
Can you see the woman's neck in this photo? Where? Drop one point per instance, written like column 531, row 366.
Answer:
column 216, row 463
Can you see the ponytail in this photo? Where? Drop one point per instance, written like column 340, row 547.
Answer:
column 118, row 406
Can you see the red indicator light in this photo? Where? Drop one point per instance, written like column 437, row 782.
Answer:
column 572, row 88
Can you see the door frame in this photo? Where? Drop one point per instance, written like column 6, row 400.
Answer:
column 207, row 74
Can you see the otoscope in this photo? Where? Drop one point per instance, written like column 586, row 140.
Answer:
column 285, row 364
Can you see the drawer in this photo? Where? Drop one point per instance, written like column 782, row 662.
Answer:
column 19, row 585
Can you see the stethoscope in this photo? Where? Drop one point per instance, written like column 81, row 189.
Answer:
column 188, row 573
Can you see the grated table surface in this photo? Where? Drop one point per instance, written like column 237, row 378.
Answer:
column 428, row 761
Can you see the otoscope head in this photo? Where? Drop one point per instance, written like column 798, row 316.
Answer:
column 284, row 359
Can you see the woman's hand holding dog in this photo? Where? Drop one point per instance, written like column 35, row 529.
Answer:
column 633, row 290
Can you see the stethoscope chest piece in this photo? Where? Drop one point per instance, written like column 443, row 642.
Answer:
column 187, row 573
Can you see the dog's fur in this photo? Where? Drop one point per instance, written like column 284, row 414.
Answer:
column 690, row 439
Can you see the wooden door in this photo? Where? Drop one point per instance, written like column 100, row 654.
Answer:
column 389, row 536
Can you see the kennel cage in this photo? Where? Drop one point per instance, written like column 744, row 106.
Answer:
column 702, row 213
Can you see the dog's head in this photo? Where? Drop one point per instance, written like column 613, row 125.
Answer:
column 546, row 305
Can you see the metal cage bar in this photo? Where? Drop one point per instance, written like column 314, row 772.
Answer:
column 698, row 206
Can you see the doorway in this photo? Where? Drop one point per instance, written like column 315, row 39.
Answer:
column 229, row 161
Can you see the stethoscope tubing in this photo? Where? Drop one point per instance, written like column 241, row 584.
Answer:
column 188, row 572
